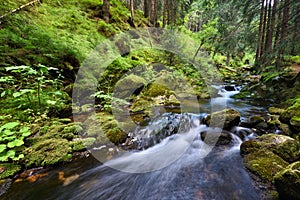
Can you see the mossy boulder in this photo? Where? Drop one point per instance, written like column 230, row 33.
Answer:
column 217, row 138
column 105, row 128
column 129, row 85
column 157, row 89
column 287, row 182
column 285, row 147
column 8, row 170
column 225, row 119
column 82, row 144
column 141, row 104
column 290, row 112
column 268, row 154
column 48, row 152
column 264, row 163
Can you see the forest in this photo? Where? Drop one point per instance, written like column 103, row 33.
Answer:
column 149, row 99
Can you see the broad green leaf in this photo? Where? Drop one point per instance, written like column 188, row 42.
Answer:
column 11, row 153
column 15, row 143
column 19, row 157
column 10, row 138
column 25, row 131
column 2, row 147
column 3, row 157
column 9, row 125
column 8, row 132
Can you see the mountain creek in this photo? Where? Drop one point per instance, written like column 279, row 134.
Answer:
column 175, row 158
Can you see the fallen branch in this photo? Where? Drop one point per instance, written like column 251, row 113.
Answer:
column 17, row 9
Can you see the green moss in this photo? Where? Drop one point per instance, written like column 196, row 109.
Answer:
column 295, row 121
column 82, row 144
column 48, row 152
column 8, row 170
column 288, row 150
column 287, row 182
column 264, row 163
column 141, row 104
column 156, row 89
column 225, row 119
column 275, row 111
column 291, row 111
column 116, row 135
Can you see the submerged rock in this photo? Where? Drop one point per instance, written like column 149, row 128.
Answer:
column 287, row 182
column 225, row 119
column 217, row 138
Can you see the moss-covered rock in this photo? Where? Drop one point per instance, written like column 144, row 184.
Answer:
column 285, row 147
column 141, row 104
column 48, row 152
column 264, row 163
column 157, row 89
column 290, row 112
column 287, row 182
column 225, row 119
column 116, row 135
column 82, row 144
column 129, row 85
column 268, row 154
column 8, row 170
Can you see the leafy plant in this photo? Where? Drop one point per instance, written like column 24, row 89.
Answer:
column 34, row 90
column 11, row 139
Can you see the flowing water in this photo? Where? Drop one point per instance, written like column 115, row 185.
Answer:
column 173, row 163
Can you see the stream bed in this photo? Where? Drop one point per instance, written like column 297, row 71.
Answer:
column 179, row 166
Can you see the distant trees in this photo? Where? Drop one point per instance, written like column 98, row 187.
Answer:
column 278, row 31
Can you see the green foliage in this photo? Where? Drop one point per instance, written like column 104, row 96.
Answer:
column 34, row 90
column 12, row 137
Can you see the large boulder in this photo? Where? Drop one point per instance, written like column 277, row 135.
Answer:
column 269, row 154
column 129, row 85
column 287, row 182
column 285, row 147
column 225, row 119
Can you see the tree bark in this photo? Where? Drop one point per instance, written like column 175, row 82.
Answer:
column 146, row 8
column 132, row 10
column 260, row 33
column 267, row 55
column 278, row 26
column 165, row 10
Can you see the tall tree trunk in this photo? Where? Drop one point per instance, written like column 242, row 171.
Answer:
column 106, row 10
column 279, row 25
column 132, row 10
column 165, row 10
column 153, row 11
column 262, row 52
column 296, row 30
column 267, row 48
column 260, row 33
column 146, row 8
column 285, row 19
column 273, row 20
